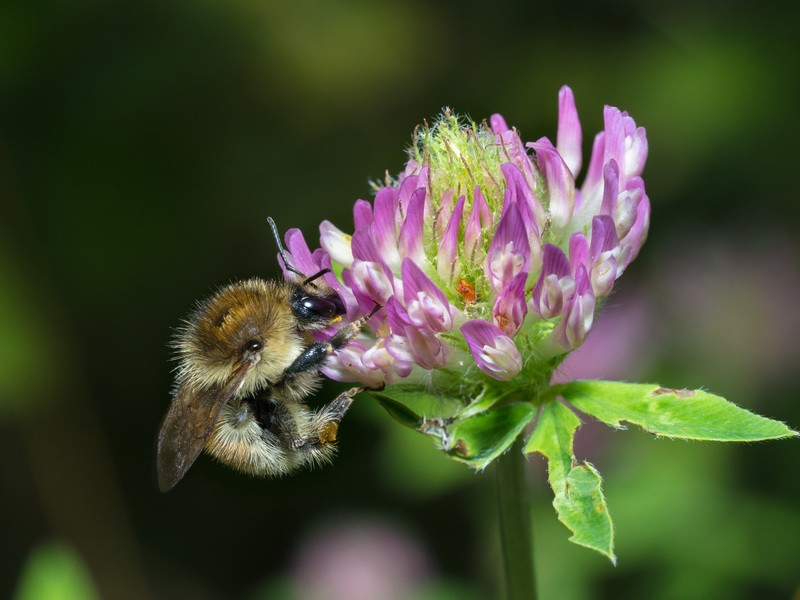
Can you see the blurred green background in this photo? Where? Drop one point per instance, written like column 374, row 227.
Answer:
column 142, row 146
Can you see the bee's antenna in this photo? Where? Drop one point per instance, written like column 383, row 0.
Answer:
column 281, row 251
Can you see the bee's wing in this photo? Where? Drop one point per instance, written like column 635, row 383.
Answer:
column 187, row 425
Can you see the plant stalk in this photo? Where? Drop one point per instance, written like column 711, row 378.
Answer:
column 516, row 531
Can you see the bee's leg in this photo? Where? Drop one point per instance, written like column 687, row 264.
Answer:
column 324, row 425
column 312, row 357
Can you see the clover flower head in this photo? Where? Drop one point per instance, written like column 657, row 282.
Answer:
column 479, row 269
column 489, row 263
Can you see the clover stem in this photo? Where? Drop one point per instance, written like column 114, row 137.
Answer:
column 516, row 531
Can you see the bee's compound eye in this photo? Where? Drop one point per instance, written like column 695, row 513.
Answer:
column 325, row 307
column 253, row 346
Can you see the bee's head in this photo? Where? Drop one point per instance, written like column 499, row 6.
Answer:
column 315, row 305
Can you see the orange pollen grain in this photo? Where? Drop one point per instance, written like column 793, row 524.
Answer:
column 466, row 290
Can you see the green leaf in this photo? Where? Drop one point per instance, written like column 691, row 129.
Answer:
column 397, row 410
column 474, row 439
column 689, row 414
column 483, row 401
column 479, row 439
column 579, row 499
column 421, row 400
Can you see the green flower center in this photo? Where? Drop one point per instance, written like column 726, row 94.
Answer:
column 460, row 155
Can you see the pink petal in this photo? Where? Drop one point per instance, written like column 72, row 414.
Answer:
column 494, row 352
column 510, row 308
column 447, row 259
column 412, row 229
column 569, row 137
column 509, row 253
column 479, row 219
column 336, row 243
column 384, row 226
column 498, row 123
column 426, row 304
column 560, row 183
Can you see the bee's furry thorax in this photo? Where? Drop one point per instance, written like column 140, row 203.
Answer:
column 210, row 341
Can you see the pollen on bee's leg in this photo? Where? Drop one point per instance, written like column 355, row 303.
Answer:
column 327, row 434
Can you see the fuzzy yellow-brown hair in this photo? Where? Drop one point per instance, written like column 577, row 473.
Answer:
column 212, row 339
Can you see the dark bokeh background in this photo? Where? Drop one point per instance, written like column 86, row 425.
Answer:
column 143, row 145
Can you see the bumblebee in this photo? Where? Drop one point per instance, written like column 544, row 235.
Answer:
column 246, row 364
